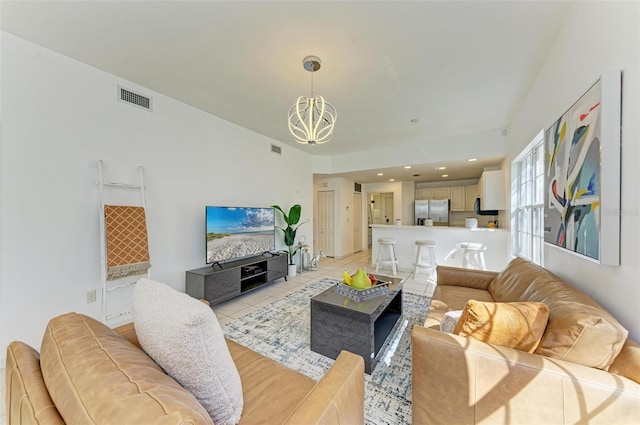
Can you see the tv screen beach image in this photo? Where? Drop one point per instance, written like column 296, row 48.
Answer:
column 234, row 232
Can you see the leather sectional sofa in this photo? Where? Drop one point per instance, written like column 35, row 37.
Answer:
column 463, row 380
column 103, row 376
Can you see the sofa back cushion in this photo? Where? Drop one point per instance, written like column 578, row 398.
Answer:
column 579, row 330
column 627, row 363
column 94, row 375
column 509, row 284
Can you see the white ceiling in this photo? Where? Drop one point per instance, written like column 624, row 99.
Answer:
column 459, row 67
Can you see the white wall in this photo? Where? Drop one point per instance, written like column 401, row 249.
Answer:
column 59, row 116
column 596, row 37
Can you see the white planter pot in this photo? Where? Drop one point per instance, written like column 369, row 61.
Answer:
column 292, row 270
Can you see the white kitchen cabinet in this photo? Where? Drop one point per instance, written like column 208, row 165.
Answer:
column 458, row 198
column 442, row 193
column 425, row 193
column 492, row 188
column 471, row 193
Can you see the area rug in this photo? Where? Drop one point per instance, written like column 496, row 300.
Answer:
column 280, row 331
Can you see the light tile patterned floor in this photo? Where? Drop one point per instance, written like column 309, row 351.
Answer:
column 328, row 267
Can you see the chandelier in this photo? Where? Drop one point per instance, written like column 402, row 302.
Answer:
column 311, row 119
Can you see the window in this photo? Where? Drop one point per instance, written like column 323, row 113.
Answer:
column 527, row 201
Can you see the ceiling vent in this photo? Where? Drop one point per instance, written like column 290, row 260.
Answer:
column 135, row 99
column 276, row 149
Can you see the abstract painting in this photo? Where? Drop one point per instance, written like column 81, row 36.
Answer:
column 574, row 177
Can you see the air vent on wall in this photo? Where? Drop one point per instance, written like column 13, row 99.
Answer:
column 276, row 149
column 357, row 187
column 133, row 98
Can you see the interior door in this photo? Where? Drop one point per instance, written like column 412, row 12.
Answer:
column 326, row 222
column 357, row 222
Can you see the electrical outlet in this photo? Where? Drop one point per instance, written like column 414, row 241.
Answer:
column 91, row 296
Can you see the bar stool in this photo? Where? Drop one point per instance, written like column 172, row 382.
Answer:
column 419, row 264
column 387, row 254
column 473, row 255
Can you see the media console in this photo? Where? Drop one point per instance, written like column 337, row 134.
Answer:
column 219, row 283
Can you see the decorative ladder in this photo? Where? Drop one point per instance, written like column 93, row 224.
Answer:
column 116, row 291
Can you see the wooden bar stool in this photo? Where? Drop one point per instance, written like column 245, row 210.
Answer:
column 421, row 264
column 387, row 254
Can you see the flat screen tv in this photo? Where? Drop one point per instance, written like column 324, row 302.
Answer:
column 238, row 232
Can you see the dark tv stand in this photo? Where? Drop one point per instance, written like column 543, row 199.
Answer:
column 228, row 280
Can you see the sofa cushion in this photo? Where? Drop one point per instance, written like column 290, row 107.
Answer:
column 271, row 391
column 184, row 337
column 516, row 325
column 94, row 375
column 509, row 284
column 582, row 334
column 579, row 330
column 627, row 363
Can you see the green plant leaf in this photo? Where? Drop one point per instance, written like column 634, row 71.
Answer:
column 294, row 214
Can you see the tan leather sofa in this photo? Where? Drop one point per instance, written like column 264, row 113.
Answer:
column 459, row 380
column 119, row 384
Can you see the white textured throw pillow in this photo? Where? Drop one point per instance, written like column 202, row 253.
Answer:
column 183, row 336
column 450, row 320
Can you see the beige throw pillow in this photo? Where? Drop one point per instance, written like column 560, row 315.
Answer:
column 518, row 325
column 184, row 337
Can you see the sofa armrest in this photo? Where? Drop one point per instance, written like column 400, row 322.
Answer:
column 462, row 380
column 337, row 398
column 469, row 278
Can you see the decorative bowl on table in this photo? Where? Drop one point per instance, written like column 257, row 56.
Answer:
column 362, row 288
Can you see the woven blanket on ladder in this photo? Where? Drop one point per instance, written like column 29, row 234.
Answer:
column 127, row 243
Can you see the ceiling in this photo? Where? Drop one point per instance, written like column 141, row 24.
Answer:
column 454, row 67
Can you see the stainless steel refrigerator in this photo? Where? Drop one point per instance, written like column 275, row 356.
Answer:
column 435, row 209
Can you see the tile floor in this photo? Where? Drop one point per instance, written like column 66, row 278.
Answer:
column 328, row 267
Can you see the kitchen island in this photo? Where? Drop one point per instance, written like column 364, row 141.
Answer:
column 496, row 240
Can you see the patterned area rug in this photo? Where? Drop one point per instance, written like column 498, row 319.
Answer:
column 280, row 331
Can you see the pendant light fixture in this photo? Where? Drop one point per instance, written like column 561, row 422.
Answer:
column 311, row 119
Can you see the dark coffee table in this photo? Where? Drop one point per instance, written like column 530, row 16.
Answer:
column 364, row 328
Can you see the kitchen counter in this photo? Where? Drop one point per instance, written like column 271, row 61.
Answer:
column 477, row 229
column 446, row 238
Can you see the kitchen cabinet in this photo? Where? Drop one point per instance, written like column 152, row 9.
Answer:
column 442, row 192
column 492, row 188
column 458, row 198
column 471, row 193
column 425, row 193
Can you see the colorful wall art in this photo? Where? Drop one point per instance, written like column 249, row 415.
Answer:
column 574, row 178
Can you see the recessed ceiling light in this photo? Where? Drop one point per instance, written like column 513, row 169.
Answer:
column 414, row 120
column 407, row 166
column 381, row 174
column 442, row 168
column 392, row 180
column 472, row 159
column 445, row 175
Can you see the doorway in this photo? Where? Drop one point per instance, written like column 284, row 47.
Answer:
column 326, row 222
column 380, row 208
column 357, row 222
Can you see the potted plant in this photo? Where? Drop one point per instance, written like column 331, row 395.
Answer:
column 292, row 220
